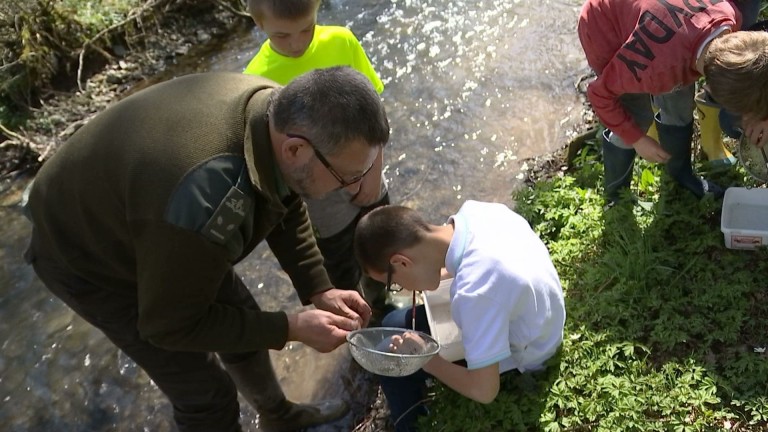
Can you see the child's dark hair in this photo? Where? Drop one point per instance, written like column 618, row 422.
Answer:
column 384, row 232
column 283, row 9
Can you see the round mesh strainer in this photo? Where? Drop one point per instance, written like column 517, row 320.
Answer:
column 364, row 344
column 754, row 159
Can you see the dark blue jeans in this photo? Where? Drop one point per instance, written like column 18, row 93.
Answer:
column 405, row 395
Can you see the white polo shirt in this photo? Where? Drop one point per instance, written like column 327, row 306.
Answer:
column 506, row 295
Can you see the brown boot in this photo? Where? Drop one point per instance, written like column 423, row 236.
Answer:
column 255, row 380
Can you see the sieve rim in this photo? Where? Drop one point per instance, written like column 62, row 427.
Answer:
column 423, row 335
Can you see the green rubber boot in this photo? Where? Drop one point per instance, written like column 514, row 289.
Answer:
column 676, row 140
column 256, row 381
column 618, row 163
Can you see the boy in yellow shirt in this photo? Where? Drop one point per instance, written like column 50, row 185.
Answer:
column 296, row 45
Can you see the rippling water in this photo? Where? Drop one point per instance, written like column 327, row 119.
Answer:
column 471, row 87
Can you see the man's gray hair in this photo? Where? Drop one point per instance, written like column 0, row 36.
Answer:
column 332, row 107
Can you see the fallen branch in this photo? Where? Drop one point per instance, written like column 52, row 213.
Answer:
column 22, row 140
column 238, row 12
column 47, row 150
column 9, row 65
column 133, row 15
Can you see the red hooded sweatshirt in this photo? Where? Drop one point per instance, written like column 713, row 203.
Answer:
column 645, row 46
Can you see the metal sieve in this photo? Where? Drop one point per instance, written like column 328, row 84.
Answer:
column 364, row 343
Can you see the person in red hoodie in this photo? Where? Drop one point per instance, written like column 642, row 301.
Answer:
column 642, row 48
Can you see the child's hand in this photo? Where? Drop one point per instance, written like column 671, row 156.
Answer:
column 444, row 274
column 408, row 343
column 756, row 130
column 650, row 150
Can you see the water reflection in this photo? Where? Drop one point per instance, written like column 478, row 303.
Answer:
column 472, row 88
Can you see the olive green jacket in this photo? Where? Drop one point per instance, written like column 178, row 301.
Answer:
column 162, row 193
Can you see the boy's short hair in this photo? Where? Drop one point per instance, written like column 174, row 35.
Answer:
column 283, row 9
column 386, row 231
column 332, row 107
column 736, row 69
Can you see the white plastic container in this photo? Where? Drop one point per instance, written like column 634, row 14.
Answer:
column 744, row 220
column 441, row 324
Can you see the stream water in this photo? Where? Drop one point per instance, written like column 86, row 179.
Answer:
column 472, row 88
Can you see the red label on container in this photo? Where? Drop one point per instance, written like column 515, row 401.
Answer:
column 746, row 241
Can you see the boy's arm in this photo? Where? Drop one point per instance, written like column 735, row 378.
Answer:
column 605, row 102
column 480, row 385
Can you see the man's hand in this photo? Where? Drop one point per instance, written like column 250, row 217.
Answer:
column 320, row 329
column 756, row 131
column 346, row 303
column 650, row 150
column 370, row 185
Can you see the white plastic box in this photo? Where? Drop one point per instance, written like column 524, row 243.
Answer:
column 441, row 324
column 744, row 220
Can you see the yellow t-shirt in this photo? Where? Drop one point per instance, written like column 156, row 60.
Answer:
column 330, row 46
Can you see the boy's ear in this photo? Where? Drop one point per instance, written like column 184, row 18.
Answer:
column 400, row 260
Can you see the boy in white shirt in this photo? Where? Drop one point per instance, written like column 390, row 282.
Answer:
column 506, row 296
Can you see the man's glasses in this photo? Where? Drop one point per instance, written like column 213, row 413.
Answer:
column 390, row 287
column 342, row 181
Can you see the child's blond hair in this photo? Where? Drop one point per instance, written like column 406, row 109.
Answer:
column 736, row 68
column 283, row 9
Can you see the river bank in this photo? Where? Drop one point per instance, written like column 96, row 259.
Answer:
column 169, row 37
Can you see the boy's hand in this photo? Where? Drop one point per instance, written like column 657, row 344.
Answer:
column 756, row 131
column 650, row 150
column 408, row 343
column 444, row 274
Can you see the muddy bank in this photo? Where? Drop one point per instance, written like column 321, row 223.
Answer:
column 167, row 39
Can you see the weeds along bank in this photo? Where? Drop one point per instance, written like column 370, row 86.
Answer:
column 66, row 60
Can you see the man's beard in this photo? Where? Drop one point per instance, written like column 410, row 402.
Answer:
column 301, row 182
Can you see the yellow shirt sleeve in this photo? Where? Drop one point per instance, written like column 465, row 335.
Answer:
column 330, row 46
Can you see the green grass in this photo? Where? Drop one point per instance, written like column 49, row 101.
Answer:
column 664, row 323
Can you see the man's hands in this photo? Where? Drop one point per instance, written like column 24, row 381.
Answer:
column 325, row 328
column 650, row 150
column 320, row 329
column 346, row 303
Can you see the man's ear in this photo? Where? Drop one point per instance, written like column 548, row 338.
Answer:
column 294, row 151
